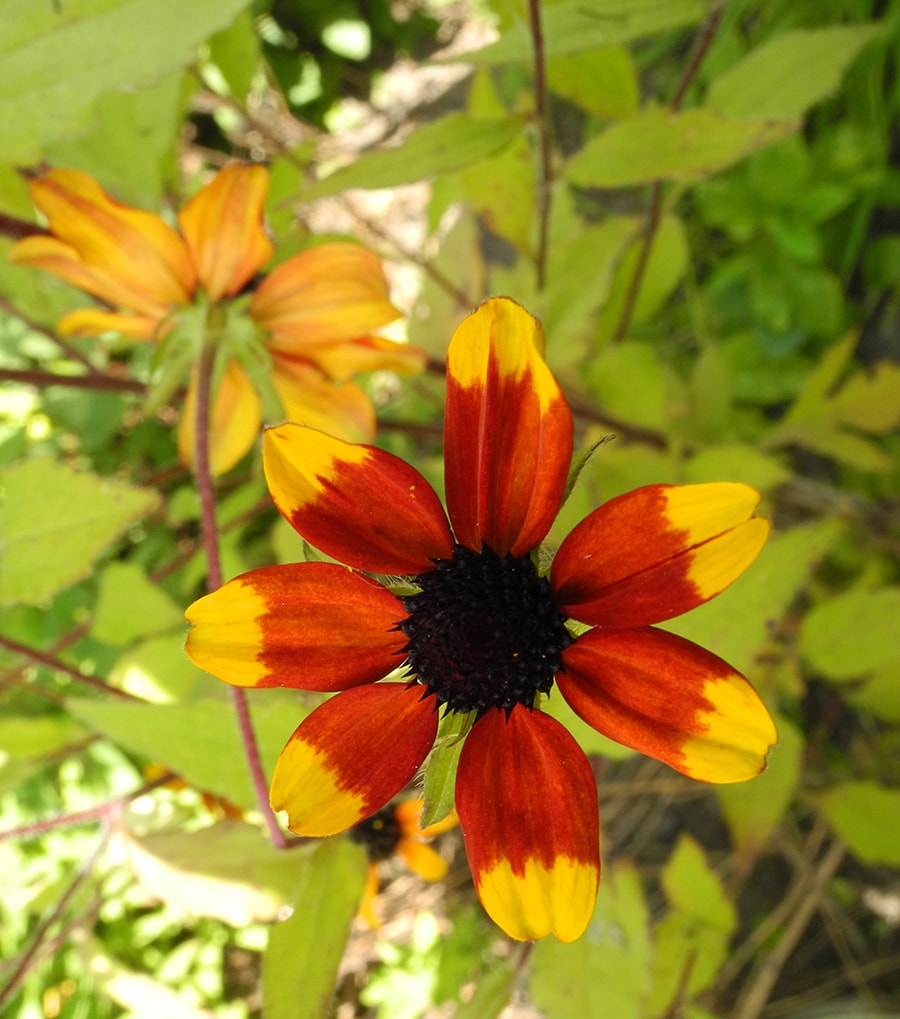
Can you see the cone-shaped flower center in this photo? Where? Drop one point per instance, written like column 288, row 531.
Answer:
column 379, row 834
column 484, row 632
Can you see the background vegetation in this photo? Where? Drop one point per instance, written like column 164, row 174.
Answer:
column 701, row 201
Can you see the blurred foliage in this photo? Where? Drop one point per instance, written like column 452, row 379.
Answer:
column 718, row 279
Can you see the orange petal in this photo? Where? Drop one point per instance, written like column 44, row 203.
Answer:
column 371, row 353
column 332, row 292
column 358, row 504
column 313, row 626
column 351, row 755
column 93, row 322
column 422, row 859
column 670, row 699
column 507, row 432
column 135, row 259
column 408, row 815
column 223, row 227
column 308, row 398
column 527, row 804
column 366, row 910
column 656, row 552
column 234, row 422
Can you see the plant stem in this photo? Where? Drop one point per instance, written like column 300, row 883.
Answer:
column 35, row 377
column 42, row 658
column 209, row 532
column 654, row 210
column 543, row 128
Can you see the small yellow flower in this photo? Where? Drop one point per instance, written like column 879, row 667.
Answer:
column 317, row 310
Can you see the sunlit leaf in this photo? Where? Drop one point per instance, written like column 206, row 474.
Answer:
column 443, row 146
column 860, row 812
column 229, row 871
column 659, row 144
column 57, row 59
column 736, row 462
column 199, row 741
column 853, row 633
column 603, row 82
column 786, row 76
column 54, row 521
column 301, row 961
column 129, row 605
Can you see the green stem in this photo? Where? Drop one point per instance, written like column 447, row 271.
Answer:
column 543, row 128
column 206, row 492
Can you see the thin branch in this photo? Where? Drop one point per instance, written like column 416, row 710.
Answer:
column 95, row 380
column 209, row 532
column 73, row 352
column 545, row 170
column 704, row 41
column 48, row 660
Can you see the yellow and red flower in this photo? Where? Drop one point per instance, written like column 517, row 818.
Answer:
column 397, row 829
column 317, row 309
column 485, row 633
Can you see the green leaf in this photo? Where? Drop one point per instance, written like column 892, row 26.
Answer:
column 229, row 871
column 736, row 462
column 590, row 741
column 129, row 605
column 508, row 211
column 492, row 994
column 54, row 522
column 58, row 59
column 575, row 27
column 148, row 121
column 737, row 624
column 23, row 737
column 603, row 82
column 158, row 670
column 786, row 76
column 853, row 633
column 440, row 768
column 862, row 813
column 753, row 809
column 631, row 384
column 606, row 973
column 692, row 939
column 659, row 144
column 199, row 741
column 880, row 694
column 444, row 146
column 870, row 402
column 235, row 52
column 301, row 962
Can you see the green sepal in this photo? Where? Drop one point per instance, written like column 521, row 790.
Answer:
column 441, row 765
column 174, row 355
column 580, row 460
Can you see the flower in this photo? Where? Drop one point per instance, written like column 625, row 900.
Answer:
column 397, row 829
column 485, row 633
column 317, row 309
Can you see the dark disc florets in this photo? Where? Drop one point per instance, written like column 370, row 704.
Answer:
column 484, row 631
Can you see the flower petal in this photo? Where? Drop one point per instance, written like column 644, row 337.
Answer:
column 656, row 552
column 371, row 353
column 134, row 258
column 308, row 398
column 93, row 322
column 335, row 291
column 670, row 699
column 359, row 504
column 422, row 859
column 507, row 431
column 351, row 755
column 313, row 626
column 366, row 909
column 223, row 227
column 527, row 805
column 408, row 815
column 234, row 422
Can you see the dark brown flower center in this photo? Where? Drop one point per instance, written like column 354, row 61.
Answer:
column 379, row 834
column 484, row 632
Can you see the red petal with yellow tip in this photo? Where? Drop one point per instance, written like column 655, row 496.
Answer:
column 332, row 292
column 527, row 805
column 670, row 699
column 656, row 552
column 136, row 259
column 358, row 504
column 507, row 432
column 313, row 626
column 234, row 424
column 351, row 755
column 223, row 227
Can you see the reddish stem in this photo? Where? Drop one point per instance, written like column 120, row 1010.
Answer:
column 209, row 532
